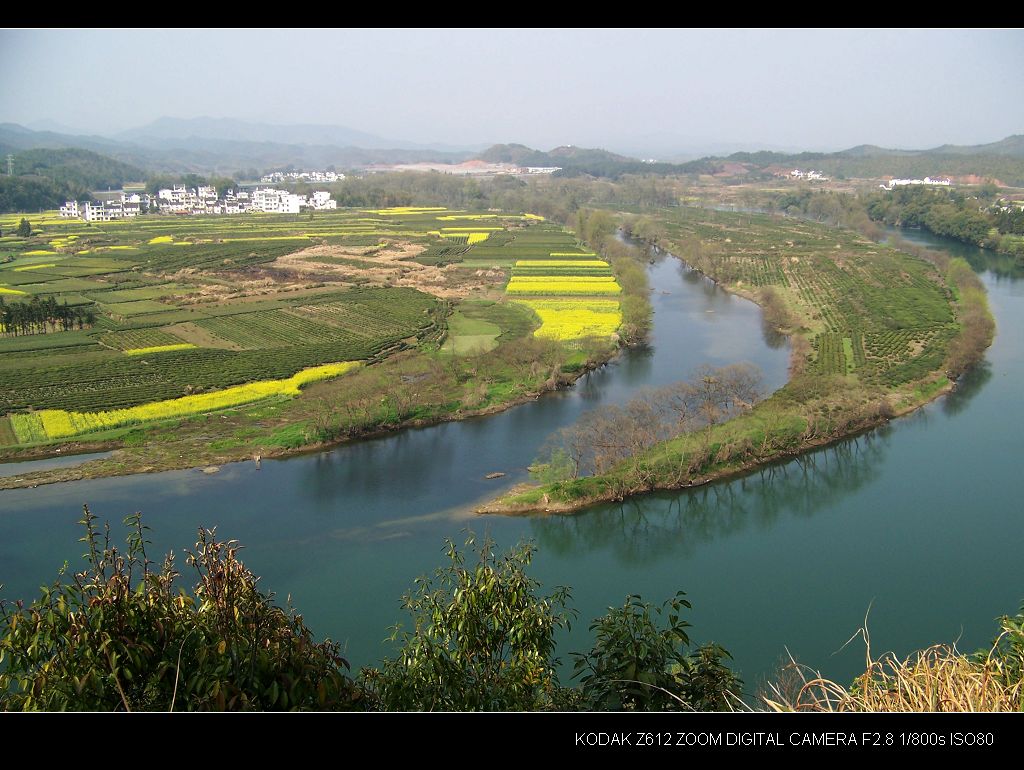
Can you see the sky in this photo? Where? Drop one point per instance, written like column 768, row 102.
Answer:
column 642, row 91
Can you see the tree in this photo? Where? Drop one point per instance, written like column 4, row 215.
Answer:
column 122, row 636
column 637, row 666
column 24, row 228
column 482, row 638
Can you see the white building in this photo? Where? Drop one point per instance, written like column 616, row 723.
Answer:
column 108, row 210
column 277, row 177
column 272, row 201
column 234, row 203
column 177, row 200
column 903, row 182
column 321, row 201
column 812, row 176
column 182, row 200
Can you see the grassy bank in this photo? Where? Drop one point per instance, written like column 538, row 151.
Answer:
column 875, row 333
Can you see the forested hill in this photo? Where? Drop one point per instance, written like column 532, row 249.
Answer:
column 578, row 161
column 77, row 168
column 1002, row 161
column 45, row 178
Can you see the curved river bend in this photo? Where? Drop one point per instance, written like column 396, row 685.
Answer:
column 920, row 520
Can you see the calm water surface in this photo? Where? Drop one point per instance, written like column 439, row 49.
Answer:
column 920, row 521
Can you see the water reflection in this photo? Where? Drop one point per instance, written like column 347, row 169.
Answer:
column 646, row 529
column 772, row 337
column 967, row 387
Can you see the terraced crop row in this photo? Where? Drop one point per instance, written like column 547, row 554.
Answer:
column 137, row 338
column 880, row 314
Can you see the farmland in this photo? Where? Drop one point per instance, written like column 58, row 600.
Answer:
column 567, row 287
column 874, row 333
column 189, row 315
column 867, row 310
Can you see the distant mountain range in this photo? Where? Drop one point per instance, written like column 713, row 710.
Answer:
column 228, row 146
column 181, row 131
column 1011, row 146
column 225, row 146
column 1002, row 161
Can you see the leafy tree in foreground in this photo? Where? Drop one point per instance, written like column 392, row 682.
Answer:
column 122, row 636
column 482, row 639
column 637, row 666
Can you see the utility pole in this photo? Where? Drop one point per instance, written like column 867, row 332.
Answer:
column 10, row 164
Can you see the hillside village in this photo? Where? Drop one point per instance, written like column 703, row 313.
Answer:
column 183, row 200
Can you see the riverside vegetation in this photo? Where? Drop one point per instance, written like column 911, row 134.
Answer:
column 122, row 635
column 874, row 333
column 456, row 312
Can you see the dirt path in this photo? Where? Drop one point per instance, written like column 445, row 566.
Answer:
column 390, row 266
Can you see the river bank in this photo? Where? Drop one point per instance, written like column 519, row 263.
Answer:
column 916, row 519
column 409, row 389
column 183, row 453
column 788, row 423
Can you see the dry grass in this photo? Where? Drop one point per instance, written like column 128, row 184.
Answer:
column 939, row 678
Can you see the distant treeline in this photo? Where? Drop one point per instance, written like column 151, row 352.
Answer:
column 80, row 169
column 32, row 193
column 45, row 178
column 975, row 217
column 39, row 316
column 555, row 198
column 164, row 181
column 1005, row 168
column 581, row 161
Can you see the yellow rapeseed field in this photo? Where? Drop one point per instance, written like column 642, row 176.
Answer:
column 58, row 423
column 475, row 217
column 158, row 349
column 34, row 267
column 576, row 284
column 162, row 239
column 399, row 210
column 5, row 290
column 561, row 263
column 269, row 238
column 570, row 319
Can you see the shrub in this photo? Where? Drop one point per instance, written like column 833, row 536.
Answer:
column 483, row 639
column 122, row 635
column 637, row 666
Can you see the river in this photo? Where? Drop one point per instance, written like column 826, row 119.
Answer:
column 919, row 521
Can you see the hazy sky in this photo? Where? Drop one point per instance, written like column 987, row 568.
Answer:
column 627, row 89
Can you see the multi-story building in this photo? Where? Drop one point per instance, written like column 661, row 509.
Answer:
column 182, row 200
column 269, row 200
column 322, row 201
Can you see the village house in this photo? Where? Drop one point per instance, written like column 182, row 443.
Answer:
column 182, row 200
column 277, row 177
column 903, row 182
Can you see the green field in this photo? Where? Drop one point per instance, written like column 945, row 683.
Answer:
column 190, row 305
column 872, row 333
column 871, row 311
